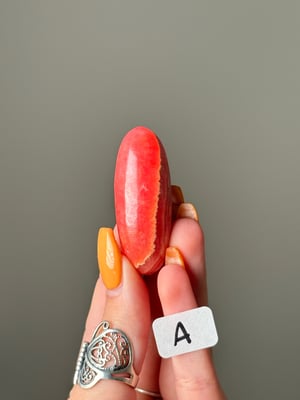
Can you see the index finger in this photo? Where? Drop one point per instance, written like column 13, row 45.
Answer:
column 188, row 237
column 194, row 374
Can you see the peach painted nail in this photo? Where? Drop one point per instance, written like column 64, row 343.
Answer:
column 109, row 258
column 187, row 210
column 173, row 256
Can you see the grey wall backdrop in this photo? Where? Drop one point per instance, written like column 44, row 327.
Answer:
column 219, row 83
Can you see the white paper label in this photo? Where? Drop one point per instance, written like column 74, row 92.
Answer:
column 185, row 332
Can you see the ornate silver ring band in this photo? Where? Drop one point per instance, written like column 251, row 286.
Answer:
column 148, row 393
column 109, row 355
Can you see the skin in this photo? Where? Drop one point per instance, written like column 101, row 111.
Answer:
column 174, row 289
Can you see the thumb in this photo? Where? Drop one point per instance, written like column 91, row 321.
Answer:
column 126, row 309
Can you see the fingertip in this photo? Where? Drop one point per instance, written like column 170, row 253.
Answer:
column 188, row 237
column 173, row 256
column 175, row 290
column 187, row 210
column 187, row 228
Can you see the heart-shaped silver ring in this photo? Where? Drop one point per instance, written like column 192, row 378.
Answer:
column 108, row 355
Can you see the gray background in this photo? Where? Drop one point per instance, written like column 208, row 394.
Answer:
column 219, row 83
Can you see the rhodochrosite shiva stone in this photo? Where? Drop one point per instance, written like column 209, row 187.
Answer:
column 143, row 203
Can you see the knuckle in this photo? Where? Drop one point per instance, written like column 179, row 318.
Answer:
column 195, row 384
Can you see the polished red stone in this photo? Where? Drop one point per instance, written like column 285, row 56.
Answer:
column 143, row 199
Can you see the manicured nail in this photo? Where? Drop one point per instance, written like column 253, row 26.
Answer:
column 173, row 256
column 109, row 258
column 177, row 199
column 187, row 210
column 177, row 195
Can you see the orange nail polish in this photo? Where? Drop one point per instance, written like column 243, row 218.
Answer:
column 173, row 256
column 109, row 258
column 187, row 210
column 177, row 195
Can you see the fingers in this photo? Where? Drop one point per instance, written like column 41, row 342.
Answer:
column 128, row 309
column 193, row 373
column 188, row 237
column 122, row 299
column 149, row 377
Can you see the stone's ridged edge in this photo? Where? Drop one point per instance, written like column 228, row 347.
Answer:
column 164, row 183
column 153, row 249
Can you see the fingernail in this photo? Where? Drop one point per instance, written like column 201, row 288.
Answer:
column 109, row 258
column 173, row 256
column 177, row 195
column 187, row 210
column 177, row 199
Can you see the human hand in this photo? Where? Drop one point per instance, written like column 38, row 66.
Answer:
column 179, row 286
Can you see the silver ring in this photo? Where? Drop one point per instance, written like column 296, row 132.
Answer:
column 108, row 355
column 148, row 393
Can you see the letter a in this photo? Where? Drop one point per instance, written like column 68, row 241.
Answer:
column 185, row 335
